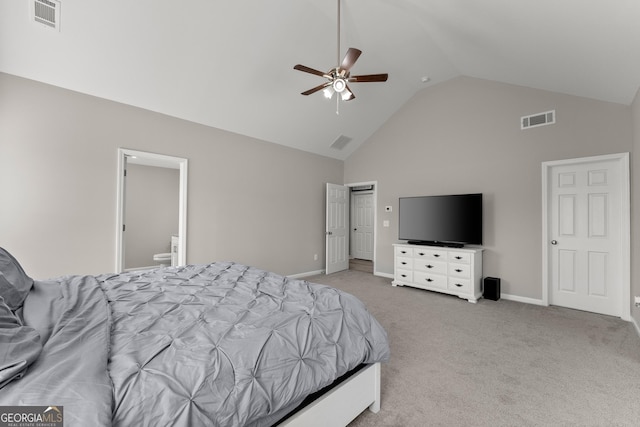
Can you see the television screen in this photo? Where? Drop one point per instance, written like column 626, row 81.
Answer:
column 441, row 219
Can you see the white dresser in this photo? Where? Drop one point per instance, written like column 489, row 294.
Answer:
column 448, row 270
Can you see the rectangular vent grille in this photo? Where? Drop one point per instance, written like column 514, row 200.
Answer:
column 362, row 188
column 46, row 12
column 341, row 142
column 540, row 119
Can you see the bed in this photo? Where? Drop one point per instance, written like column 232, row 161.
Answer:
column 222, row 344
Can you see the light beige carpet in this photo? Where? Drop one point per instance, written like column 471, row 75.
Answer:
column 496, row 363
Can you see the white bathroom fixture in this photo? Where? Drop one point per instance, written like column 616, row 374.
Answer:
column 163, row 259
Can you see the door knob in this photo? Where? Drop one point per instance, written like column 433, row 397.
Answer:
column 554, row 242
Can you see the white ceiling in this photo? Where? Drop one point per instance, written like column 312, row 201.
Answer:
column 229, row 64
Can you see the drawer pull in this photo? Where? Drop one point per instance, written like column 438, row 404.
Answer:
column 403, row 263
column 403, row 275
column 403, row 252
column 429, row 266
column 458, row 270
column 436, row 255
column 421, row 253
column 458, row 257
column 458, row 285
column 429, row 280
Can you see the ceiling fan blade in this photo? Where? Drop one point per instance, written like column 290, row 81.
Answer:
column 369, row 78
column 306, row 69
column 349, row 59
column 317, row 88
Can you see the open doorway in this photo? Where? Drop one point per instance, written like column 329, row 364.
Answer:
column 173, row 241
column 362, row 227
column 342, row 230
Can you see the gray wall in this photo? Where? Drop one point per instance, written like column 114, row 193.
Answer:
column 248, row 200
column 635, row 208
column 263, row 204
column 463, row 136
column 151, row 213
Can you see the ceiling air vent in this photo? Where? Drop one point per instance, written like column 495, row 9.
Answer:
column 540, row 119
column 341, row 142
column 46, row 12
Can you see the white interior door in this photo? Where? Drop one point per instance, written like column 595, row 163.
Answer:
column 362, row 213
column 585, row 234
column 337, row 228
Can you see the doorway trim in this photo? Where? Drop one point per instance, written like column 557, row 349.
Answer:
column 625, row 225
column 158, row 160
column 375, row 217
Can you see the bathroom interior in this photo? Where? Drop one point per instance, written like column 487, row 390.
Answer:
column 151, row 212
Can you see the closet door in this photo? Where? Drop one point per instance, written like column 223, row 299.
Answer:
column 585, row 239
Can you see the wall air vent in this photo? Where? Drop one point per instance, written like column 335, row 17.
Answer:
column 540, row 119
column 362, row 188
column 341, row 142
column 46, row 12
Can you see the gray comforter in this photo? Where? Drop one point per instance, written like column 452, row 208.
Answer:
column 221, row 344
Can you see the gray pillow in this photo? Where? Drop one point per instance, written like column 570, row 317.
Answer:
column 19, row 345
column 14, row 282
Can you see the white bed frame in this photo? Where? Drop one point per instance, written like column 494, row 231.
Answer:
column 343, row 403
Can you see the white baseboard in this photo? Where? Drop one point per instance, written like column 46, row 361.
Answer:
column 381, row 274
column 307, row 274
column 525, row 300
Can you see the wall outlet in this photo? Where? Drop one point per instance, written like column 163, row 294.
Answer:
column 637, row 301
column 315, row 257
column 385, row 223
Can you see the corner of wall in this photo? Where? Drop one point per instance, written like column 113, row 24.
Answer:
column 635, row 207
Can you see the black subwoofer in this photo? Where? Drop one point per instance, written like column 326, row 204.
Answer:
column 491, row 288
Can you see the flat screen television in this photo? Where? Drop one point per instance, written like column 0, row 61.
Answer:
column 450, row 220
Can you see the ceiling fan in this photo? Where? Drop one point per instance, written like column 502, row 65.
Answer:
column 339, row 77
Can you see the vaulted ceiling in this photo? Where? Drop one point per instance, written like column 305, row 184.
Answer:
column 229, row 64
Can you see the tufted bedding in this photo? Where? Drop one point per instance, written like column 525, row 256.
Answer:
column 221, row 344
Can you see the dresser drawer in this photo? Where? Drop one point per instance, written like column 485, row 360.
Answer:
column 430, row 254
column 460, row 270
column 402, row 251
column 438, row 267
column 429, row 279
column 404, row 262
column 460, row 285
column 404, row 275
column 460, row 257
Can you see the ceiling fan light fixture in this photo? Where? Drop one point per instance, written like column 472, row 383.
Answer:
column 339, row 85
column 328, row 92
